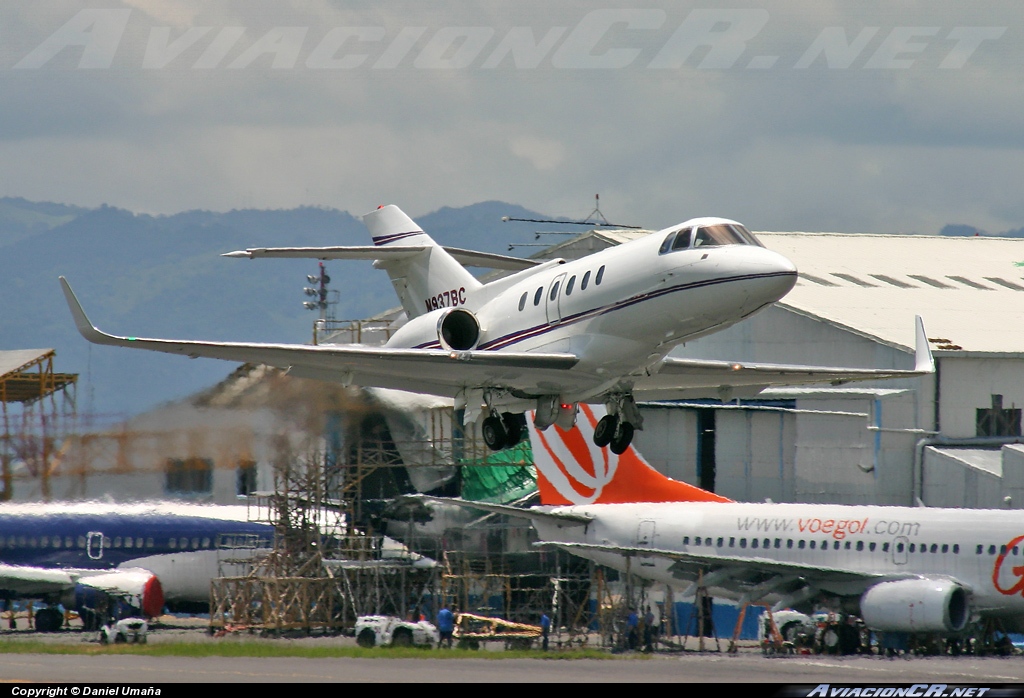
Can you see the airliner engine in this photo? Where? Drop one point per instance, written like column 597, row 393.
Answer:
column 915, row 605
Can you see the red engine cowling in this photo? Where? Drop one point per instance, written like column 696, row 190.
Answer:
column 915, row 605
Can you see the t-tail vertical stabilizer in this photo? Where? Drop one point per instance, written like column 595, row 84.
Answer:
column 572, row 470
column 426, row 281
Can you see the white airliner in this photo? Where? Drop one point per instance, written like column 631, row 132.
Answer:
column 551, row 336
column 901, row 569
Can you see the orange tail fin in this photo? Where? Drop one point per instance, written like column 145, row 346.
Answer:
column 572, row 470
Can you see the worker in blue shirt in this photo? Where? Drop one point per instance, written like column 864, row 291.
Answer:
column 445, row 626
column 545, row 629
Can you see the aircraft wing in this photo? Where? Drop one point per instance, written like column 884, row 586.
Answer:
column 469, row 258
column 676, row 377
column 438, row 371
column 16, row 580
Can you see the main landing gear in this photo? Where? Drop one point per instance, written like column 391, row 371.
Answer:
column 616, row 428
column 504, row 431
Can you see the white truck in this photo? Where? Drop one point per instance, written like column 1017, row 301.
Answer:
column 388, row 631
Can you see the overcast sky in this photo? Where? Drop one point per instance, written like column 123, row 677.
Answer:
column 788, row 115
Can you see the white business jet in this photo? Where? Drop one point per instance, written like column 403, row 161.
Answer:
column 901, row 569
column 551, row 335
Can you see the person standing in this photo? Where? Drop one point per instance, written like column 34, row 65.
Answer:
column 445, row 627
column 545, row 630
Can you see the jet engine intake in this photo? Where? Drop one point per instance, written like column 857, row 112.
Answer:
column 915, row 605
column 458, row 329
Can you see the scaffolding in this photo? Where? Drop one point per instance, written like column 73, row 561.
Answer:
column 35, row 420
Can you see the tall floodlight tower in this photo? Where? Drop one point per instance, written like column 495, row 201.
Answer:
column 319, row 292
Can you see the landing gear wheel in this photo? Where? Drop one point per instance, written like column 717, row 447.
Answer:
column 401, row 638
column 49, row 620
column 623, row 437
column 515, row 425
column 605, row 430
column 494, row 433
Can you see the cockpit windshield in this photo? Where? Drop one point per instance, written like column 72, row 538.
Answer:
column 708, row 236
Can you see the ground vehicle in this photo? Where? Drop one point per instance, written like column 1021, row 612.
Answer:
column 388, row 631
column 124, row 630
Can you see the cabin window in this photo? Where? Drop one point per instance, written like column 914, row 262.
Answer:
column 789, row 543
column 732, row 542
column 568, row 286
column 522, row 301
column 138, row 542
column 871, row 546
column 813, row 544
column 195, row 543
column 554, row 291
column 720, row 541
column 707, row 541
column 600, row 276
column 935, row 548
column 885, row 547
column 778, row 542
column 980, row 548
column 150, row 543
column 81, row 541
column 697, row 541
column 33, row 542
column 172, row 544
column 846, row 545
column 956, row 548
column 183, row 543
column 206, row 542
column 801, row 544
column 106, row 542
column 899, row 547
column 585, row 281
column 44, row 542
column 945, row 547
column 129, row 542
column 835, row 545
column 767, row 542
column 753, row 543
column 743, row 542
column 117, row 542
column 913, row 547
column 686, row 540
column 538, row 295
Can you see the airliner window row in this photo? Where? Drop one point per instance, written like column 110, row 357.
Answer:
column 801, row 544
column 57, row 542
column 584, row 282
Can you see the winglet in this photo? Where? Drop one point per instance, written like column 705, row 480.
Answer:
column 85, row 328
column 923, row 360
column 242, row 254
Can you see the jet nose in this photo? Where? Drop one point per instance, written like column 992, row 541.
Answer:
column 776, row 276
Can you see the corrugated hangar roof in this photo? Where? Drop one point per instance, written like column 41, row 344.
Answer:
column 969, row 290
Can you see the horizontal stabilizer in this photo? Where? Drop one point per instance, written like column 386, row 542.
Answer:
column 469, row 258
column 532, row 514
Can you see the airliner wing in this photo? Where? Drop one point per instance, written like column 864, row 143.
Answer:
column 469, row 258
column 16, row 580
column 534, row 514
column 437, row 371
column 676, row 377
column 690, row 562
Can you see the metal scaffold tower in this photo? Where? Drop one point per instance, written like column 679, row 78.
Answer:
column 35, row 419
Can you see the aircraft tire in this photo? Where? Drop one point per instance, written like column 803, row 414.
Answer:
column 514, row 426
column 494, row 433
column 605, row 430
column 49, row 620
column 623, row 437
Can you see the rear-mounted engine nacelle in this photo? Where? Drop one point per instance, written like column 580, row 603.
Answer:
column 915, row 605
column 458, row 329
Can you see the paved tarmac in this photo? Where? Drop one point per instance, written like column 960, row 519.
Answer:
column 748, row 666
